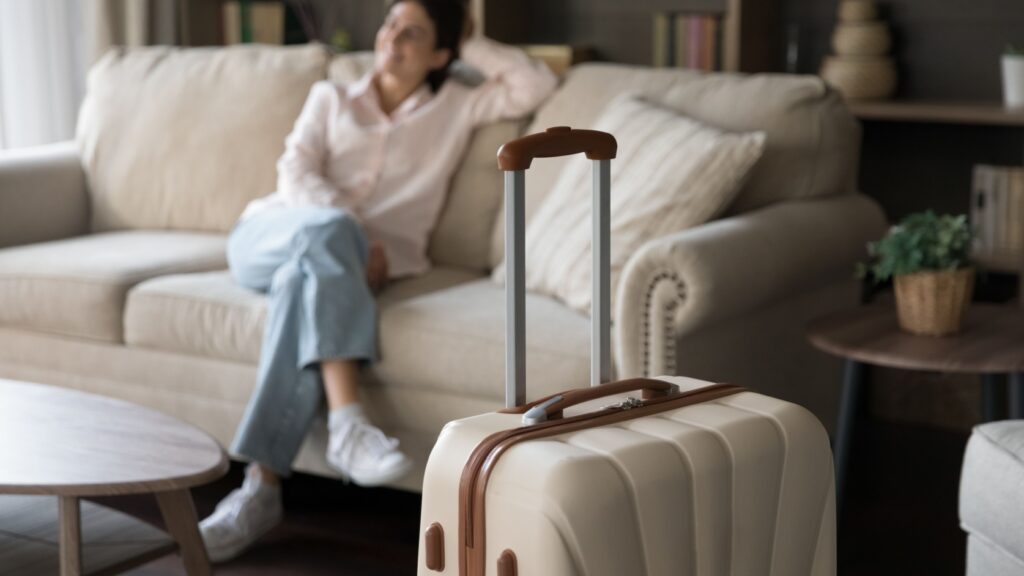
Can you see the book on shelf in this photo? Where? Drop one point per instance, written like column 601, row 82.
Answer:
column 997, row 217
column 253, row 22
column 559, row 57
column 687, row 41
column 661, row 35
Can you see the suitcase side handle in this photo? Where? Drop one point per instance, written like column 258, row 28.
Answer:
column 552, row 409
column 514, row 157
column 553, row 142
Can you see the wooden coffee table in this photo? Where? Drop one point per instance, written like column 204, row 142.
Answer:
column 991, row 344
column 59, row 445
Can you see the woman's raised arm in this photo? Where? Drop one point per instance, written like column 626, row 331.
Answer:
column 516, row 84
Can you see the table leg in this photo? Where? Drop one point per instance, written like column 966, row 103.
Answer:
column 180, row 518
column 70, row 536
column 989, row 397
column 1017, row 395
column 853, row 378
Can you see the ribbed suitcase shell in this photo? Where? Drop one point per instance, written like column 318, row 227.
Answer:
column 738, row 485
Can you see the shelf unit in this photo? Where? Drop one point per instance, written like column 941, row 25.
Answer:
column 955, row 113
column 751, row 36
column 937, row 112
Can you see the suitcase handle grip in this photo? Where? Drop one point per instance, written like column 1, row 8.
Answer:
column 552, row 407
column 553, row 142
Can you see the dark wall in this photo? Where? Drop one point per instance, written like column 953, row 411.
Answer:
column 908, row 167
column 945, row 49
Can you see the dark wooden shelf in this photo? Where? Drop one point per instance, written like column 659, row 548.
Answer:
column 976, row 113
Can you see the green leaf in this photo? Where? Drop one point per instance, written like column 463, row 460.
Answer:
column 921, row 241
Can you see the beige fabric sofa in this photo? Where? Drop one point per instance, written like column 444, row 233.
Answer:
column 112, row 268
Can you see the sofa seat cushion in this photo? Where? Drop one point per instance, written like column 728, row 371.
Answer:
column 77, row 286
column 208, row 314
column 454, row 340
column 991, row 489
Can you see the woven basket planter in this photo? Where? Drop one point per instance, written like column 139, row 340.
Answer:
column 933, row 303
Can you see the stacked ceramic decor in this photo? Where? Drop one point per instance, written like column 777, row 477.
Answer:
column 861, row 68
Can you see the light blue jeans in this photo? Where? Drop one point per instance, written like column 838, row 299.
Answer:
column 311, row 261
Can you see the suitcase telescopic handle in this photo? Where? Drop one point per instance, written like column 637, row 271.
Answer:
column 514, row 158
column 553, row 142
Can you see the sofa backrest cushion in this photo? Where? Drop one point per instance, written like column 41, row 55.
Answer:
column 176, row 138
column 462, row 235
column 812, row 140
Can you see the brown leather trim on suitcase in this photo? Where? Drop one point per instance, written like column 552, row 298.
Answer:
column 507, row 565
column 651, row 388
column 433, row 546
column 472, row 487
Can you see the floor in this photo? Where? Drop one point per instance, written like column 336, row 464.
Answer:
column 329, row 528
column 901, row 518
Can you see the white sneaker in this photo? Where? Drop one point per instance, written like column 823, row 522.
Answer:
column 241, row 518
column 363, row 454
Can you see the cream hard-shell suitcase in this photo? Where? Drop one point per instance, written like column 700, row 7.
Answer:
column 656, row 477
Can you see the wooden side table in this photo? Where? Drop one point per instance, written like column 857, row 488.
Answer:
column 60, row 445
column 991, row 344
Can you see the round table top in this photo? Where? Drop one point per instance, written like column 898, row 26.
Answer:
column 991, row 341
column 65, row 442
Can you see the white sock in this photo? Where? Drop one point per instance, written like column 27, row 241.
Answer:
column 262, row 487
column 340, row 416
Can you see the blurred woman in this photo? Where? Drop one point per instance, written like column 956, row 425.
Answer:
column 360, row 186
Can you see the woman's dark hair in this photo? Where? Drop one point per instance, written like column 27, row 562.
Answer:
column 449, row 18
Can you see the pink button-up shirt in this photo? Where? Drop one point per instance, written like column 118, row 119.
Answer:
column 392, row 173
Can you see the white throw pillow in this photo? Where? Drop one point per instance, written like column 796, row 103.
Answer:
column 671, row 173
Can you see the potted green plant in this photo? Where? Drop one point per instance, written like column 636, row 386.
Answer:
column 1013, row 77
column 928, row 258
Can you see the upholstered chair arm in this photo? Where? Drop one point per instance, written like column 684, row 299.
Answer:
column 681, row 283
column 42, row 194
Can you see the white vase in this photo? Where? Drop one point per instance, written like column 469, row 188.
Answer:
column 1013, row 80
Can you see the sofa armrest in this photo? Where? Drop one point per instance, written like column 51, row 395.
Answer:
column 678, row 284
column 42, row 194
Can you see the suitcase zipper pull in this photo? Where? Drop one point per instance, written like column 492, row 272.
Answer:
column 627, row 404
